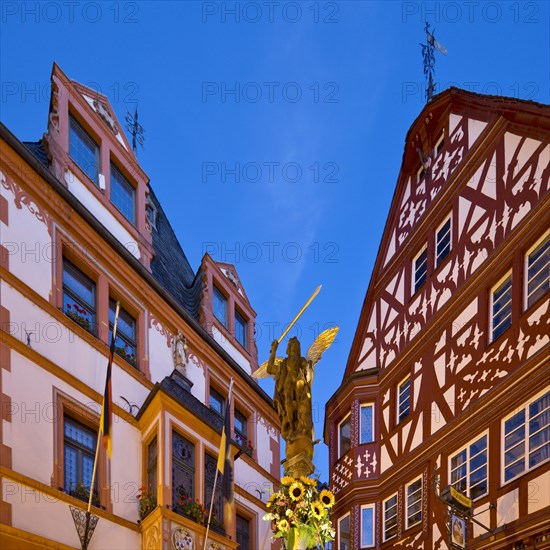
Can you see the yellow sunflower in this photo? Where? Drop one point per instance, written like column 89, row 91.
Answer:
column 283, row 525
column 271, row 499
column 317, row 510
column 308, row 481
column 287, row 480
column 296, row 490
column 327, row 498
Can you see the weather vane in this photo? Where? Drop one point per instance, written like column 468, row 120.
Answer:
column 428, row 55
column 135, row 129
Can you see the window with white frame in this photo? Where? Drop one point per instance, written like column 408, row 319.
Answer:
column 537, row 271
column 367, row 423
column 468, row 469
column 390, row 517
column 344, row 533
column 404, row 399
column 501, row 306
column 420, row 269
column 344, row 436
column 367, row 526
column 527, row 437
column 414, row 502
column 443, row 242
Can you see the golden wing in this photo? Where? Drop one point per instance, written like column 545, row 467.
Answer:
column 262, row 369
column 321, row 344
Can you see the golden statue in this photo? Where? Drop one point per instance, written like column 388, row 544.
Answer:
column 292, row 399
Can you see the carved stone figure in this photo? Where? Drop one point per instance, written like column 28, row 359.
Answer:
column 180, row 353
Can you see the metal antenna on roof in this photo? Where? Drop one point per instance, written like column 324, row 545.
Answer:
column 135, row 129
column 428, row 55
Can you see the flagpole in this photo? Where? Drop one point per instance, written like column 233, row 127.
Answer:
column 216, row 475
column 99, row 436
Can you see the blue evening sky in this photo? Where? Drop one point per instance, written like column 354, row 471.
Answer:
column 308, row 101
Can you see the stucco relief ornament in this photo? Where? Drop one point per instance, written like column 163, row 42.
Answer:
column 181, row 539
column 180, row 353
column 298, row 512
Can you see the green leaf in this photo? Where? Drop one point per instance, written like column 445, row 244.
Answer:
column 291, row 539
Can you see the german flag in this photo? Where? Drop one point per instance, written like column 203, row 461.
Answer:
column 106, row 421
column 224, row 461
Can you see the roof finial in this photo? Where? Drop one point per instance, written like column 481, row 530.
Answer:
column 429, row 60
column 136, row 130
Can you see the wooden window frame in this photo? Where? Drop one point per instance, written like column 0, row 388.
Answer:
column 65, row 406
column 340, row 520
column 346, row 418
column 416, row 288
column 526, row 468
column 408, row 524
column 398, row 418
column 384, row 518
column 466, row 448
column 537, row 243
column 437, row 260
column 493, row 289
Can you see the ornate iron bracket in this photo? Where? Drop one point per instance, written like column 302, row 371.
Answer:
column 85, row 523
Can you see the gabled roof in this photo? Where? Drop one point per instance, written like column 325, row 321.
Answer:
column 483, row 109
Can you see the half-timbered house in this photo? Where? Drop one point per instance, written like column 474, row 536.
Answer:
column 448, row 378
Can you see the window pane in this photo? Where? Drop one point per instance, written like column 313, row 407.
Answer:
column 502, row 308
column 183, row 469
column 220, row 307
column 443, row 242
column 420, row 269
column 538, row 272
column 70, row 458
column 243, row 533
column 79, row 434
column 344, row 533
column 79, row 448
column 123, row 194
column 367, row 527
column 390, row 518
column 217, row 402
column 404, row 399
column 345, row 436
column 125, row 344
column 83, row 150
column 240, row 329
column 210, row 468
column 414, row 503
column 152, row 455
column 366, row 424
column 78, row 296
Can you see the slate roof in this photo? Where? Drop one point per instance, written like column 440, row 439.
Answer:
column 38, row 150
column 170, row 266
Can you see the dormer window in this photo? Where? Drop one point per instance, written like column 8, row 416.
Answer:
column 83, row 150
column 123, row 194
column 220, row 306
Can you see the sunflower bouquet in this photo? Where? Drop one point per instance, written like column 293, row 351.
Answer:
column 299, row 514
